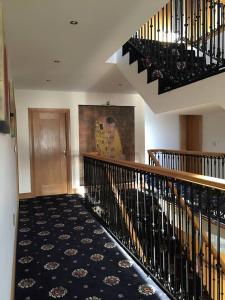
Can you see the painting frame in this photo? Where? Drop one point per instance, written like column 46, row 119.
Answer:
column 107, row 130
column 13, row 127
column 4, row 82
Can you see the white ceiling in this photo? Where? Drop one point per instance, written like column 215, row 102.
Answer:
column 38, row 32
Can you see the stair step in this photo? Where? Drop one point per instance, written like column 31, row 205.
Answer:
column 126, row 48
column 141, row 66
column 133, row 57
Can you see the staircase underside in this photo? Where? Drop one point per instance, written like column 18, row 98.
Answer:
column 206, row 92
column 173, row 65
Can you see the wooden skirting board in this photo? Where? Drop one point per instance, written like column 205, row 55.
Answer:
column 23, row 196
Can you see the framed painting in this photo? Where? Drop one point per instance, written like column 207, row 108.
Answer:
column 4, row 83
column 108, row 131
column 13, row 128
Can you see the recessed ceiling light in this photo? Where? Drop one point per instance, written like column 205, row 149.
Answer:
column 73, row 22
column 57, row 61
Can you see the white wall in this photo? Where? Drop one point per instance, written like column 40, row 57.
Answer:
column 214, row 131
column 161, row 131
column 70, row 100
column 8, row 209
column 151, row 131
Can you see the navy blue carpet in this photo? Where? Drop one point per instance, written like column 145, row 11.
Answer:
column 64, row 253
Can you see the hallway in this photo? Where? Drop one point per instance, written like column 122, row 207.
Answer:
column 63, row 252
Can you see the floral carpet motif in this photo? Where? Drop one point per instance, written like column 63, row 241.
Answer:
column 64, row 253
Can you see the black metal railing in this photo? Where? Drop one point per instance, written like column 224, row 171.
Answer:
column 158, row 216
column 182, row 43
column 205, row 163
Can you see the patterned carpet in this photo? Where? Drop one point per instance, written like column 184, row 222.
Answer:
column 64, row 253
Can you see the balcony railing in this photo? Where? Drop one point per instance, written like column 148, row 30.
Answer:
column 182, row 43
column 158, row 215
column 205, row 163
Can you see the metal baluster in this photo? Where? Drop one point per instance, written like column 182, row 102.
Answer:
column 209, row 198
column 130, row 183
column 192, row 32
column 142, row 214
column 158, row 39
column 219, row 166
column 211, row 31
column 145, row 220
column 167, row 31
column 153, row 221
column 163, row 199
column 223, row 168
column 198, row 27
column 223, row 31
column 158, row 226
column 215, row 169
column 136, row 209
column 151, row 29
column 186, row 34
column 218, row 266
column 150, row 212
column 218, row 32
column 193, row 237
column 204, row 29
column 203, row 165
column 124, row 202
column 180, row 239
column 168, row 197
column 163, row 24
column 200, row 244
column 171, row 32
column 211, row 161
column 214, row 29
column 186, row 244
column 155, row 38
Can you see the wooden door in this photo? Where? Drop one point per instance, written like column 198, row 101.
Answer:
column 49, row 153
column 191, row 132
column 191, row 140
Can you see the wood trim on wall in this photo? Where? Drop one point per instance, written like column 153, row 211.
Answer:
column 25, row 196
column 68, row 145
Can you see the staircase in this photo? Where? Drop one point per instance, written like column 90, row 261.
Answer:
column 172, row 65
column 182, row 44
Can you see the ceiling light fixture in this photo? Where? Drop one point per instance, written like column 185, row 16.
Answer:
column 57, row 61
column 73, row 22
column 48, row 80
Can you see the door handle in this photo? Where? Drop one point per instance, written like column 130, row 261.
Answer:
column 64, row 152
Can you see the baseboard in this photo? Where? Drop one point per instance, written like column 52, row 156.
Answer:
column 74, row 191
column 25, row 196
column 79, row 190
column 30, row 195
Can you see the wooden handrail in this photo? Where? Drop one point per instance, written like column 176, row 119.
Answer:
column 199, row 153
column 214, row 183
